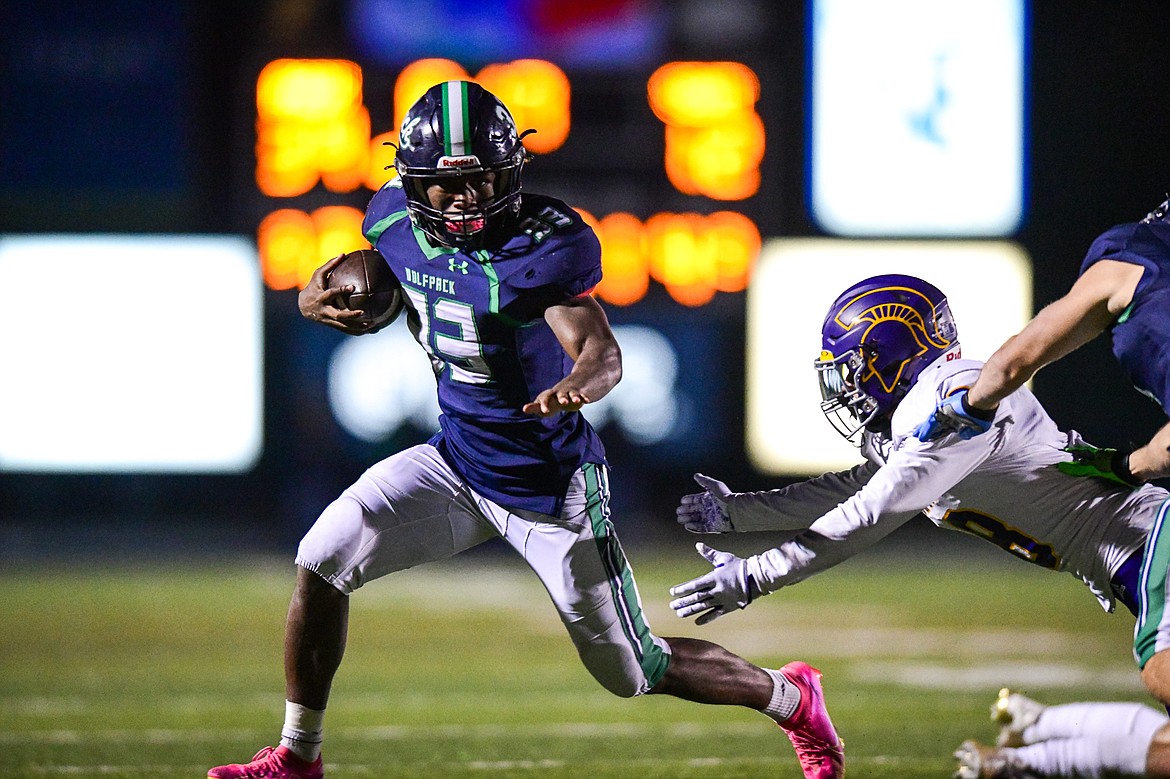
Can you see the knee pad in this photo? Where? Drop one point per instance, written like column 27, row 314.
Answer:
column 620, row 669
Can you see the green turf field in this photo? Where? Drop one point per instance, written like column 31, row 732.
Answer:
column 462, row 670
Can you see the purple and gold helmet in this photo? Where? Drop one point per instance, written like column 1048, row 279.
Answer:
column 877, row 337
column 459, row 129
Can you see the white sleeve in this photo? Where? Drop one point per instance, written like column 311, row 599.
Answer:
column 796, row 506
column 916, row 474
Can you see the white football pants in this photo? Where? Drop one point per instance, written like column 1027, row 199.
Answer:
column 412, row 508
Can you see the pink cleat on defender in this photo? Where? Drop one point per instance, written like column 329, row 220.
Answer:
column 269, row 763
column 820, row 751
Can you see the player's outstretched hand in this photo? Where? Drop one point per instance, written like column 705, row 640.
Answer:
column 323, row 304
column 1099, row 463
column 953, row 415
column 705, row 512
column 554, row 401
column 726, row 588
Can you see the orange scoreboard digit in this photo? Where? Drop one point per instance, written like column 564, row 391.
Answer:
column 313, row 129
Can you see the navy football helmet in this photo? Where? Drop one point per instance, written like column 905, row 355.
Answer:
column 459, row 130
column 876, row 339
column 1159, row 214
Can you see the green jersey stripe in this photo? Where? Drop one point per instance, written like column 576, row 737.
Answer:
column 382, row 225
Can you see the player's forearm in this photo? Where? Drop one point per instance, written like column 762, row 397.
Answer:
column 1008, row 369
column 807, row 555
column 596, row 372
column 1058, row 329
column 796, row 506
column 832, row 539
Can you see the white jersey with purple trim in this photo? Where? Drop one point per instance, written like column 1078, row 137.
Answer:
column 1002, row 486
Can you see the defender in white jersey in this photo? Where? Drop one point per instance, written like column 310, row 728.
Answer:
column 1002, row 486
column 890, row 355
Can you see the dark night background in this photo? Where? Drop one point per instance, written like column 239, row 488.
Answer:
column 138, row 116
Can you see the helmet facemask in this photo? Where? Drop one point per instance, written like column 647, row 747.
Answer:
column 460, row 136
column 466, row 226
column 847, row 406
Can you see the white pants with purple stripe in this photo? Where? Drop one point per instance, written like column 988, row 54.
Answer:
column 411, row 508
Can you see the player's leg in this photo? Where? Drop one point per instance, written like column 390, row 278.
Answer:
column 581, row 563
column 406, row 510
column 583, row 568
column 1152, row 631
column 1158, row 758
column 708, row 673
column 1075, row 739
column 1104, row 757
column 1094, row 720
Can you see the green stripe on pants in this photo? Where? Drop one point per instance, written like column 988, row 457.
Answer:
column 1152, row 592
column 651, row 658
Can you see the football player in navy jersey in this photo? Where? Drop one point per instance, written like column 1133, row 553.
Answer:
column 497, row 288
column 1123, row 288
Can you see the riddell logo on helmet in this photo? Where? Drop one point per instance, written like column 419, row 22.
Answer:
column 458, row 162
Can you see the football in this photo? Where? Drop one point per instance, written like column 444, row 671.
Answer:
column 375, row 288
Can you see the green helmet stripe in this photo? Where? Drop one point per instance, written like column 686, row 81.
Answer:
column 456, row 127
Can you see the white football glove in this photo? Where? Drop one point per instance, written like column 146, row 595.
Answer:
column 726, row 588
column 705, row 512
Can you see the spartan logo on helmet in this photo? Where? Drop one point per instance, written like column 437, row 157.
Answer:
column 459, row 132
column 877, row 337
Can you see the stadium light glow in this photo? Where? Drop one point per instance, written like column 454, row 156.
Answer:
column 380, row 168
column 794, row 284
column 625, row 267
column 714, row 138
column 537, row 93
column 692, row 255
column 293, row 244
column 154, row 386
column 926, row 136
column 311, row 126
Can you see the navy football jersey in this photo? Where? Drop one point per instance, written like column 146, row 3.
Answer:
column 1141, row 334
column 479, row 315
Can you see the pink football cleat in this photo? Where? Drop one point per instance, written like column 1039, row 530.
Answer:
column 269, row 763
column 820, row 751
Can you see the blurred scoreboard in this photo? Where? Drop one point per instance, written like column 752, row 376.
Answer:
column 670, row 162
column 689, row 134
column 322, row 145
column 313, row 130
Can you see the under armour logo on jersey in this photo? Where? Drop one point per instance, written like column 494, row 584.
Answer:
column 460, row 266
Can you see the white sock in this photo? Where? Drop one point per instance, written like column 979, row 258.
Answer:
column 302, row 730
column 1103, row 720
column 785, row 697
column 1087, row 758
